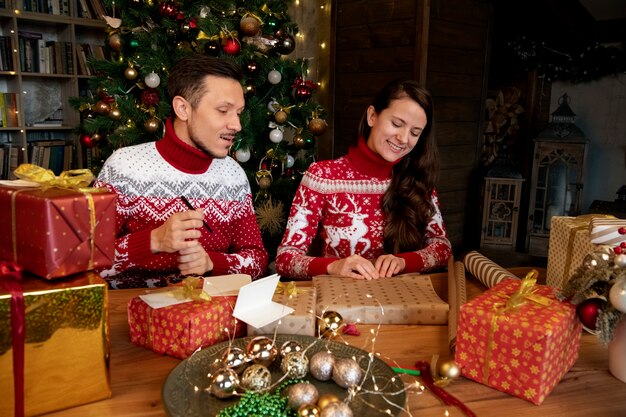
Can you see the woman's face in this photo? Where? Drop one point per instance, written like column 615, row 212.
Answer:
column 395, row 130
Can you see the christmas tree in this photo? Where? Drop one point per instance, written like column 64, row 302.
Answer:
column 127, row 101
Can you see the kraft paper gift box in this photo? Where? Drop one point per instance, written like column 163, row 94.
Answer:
column 404, row 299
column 55, row 232
column 66, row 344
column 522, row 350
column 301, row 321
column 179, row 330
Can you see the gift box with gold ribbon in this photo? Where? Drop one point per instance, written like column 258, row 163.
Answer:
column 301, row 321
column 54, row 342
column 179, row 330
column 569, row 243
column 404, row 299
column 518, row 338
column 56, row 226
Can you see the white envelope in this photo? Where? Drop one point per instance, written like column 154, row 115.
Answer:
column 221, row 285
column 255, row 306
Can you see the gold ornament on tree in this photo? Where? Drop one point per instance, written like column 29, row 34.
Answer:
column 299, row 141
column 280, row 116
column 317, row 126
column 249, row 25
column 152, row 124
column 130, row 73
column 271, row 216
column 115, row 41
column 115, row 113
column 102, row 107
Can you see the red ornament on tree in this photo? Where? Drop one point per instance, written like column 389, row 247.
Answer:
column 150, row 97
column 588, row 311
column 302, row 93
column 168, row 9
column 87, row 141
column 232, row 46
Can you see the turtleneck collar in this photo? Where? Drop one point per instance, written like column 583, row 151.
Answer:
column 180, row 155
column 369, row 162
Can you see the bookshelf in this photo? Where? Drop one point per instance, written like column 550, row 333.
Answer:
column 44, row 47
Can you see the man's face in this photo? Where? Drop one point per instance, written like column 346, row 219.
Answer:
column 212, row 125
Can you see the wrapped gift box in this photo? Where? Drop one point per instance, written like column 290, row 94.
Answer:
column 568, row 245
column 523, row 351
column 404, row 299
column 66, row 349
column 607, row 231
column 179, row 330
column 51, row 232
column 302, row 321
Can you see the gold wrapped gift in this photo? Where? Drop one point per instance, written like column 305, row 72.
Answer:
column 404, row 299
column 66, row 349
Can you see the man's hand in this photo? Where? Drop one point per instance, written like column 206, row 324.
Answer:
column 178, row 232
column 194, row 260
column 354, row 266
column 389, row 265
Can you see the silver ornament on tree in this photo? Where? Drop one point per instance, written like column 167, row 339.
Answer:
column 347, row 373
column 274, row 77
column 256, row 378
column 152, row 80
column 301, row 394
column 225, row 383
column 336, row 409
column 321, row 365
column 295, row 364
column 243, row 155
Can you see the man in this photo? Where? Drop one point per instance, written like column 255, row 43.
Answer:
column 157, row 182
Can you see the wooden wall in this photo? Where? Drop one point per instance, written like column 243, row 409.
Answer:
column 444, row 45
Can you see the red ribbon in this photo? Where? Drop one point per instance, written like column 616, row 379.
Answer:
column 443, row 395
column 10, row 276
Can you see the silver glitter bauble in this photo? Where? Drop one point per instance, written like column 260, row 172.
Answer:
column 596, row 259
column 224, row 384
column 321, row 365
column 300, row 394
column 290, row 346
column 235, row 358
column 295, row 364
column 261, row 350
column 256, row 378
column 347, row 373
column 336, row 409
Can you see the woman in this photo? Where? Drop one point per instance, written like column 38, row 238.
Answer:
column 376, row 208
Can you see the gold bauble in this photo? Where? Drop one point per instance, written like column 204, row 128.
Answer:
column 249, row 26
column 317, row 126
column 326, row 399
column 308, row 410
column 115, row 114
column 449, row 369
column 280, row 116
column 130, row 73
column 151, row 125
column 330, row 323
column 96, row 137
column 265, row 182
column 299, row 141
column 102, row 107
column 115, row 41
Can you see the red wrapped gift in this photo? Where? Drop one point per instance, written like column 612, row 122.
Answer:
column 179, row 330
column 518, row 338
column 54, row 232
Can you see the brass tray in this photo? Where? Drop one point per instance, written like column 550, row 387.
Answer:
column 184, row 393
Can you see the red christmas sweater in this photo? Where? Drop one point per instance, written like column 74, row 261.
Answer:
column 342, row 199
column 149, row 179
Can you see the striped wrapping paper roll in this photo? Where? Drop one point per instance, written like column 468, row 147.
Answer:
column 485, row 270
column 607, row 231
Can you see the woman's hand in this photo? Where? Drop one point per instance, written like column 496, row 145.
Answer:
column 354, row 266
column 389, row 265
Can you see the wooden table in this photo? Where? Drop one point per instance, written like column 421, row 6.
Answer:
column 138, row 374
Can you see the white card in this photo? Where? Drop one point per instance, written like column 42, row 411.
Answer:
column 255, row 306
column 161, row 299
column 19, row 183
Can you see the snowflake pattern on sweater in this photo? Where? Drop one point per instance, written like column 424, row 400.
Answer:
column 149, row 189
column 342, row 199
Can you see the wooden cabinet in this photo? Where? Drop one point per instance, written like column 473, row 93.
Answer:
column 41, row 67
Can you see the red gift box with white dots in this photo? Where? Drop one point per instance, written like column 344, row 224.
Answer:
column 525, row 351
column 180, row 329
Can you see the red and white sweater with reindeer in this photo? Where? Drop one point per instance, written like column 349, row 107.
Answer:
column 342, row 199
column 149, row 180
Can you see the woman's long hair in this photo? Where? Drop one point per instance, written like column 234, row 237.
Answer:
column 407, row 202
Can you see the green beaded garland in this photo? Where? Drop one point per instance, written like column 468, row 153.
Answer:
column 266, row 404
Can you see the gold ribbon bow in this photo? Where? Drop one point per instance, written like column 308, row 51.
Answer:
column 189, row 290
column 77, row 179
column 289, row 289
column 526, row 291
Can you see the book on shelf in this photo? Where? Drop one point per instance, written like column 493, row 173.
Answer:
column 8, row 108
column 56, row 155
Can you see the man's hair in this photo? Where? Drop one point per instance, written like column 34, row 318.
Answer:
column 187, row 75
